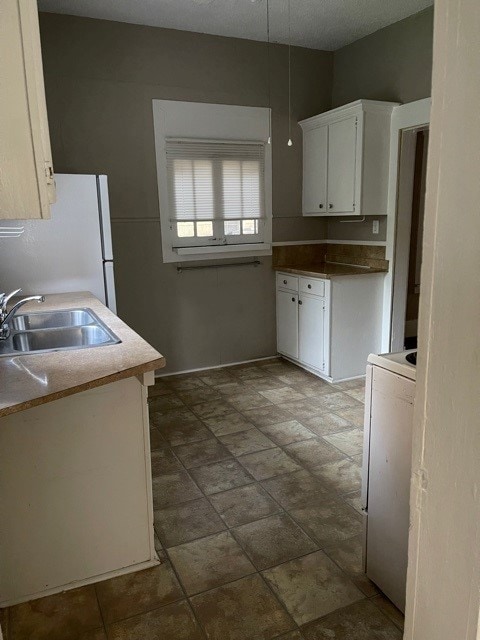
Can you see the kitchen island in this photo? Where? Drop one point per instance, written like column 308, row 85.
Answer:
column 75, row 481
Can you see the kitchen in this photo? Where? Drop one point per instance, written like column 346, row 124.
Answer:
column 126, row 95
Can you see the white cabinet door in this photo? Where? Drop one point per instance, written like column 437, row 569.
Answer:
column 315, row 147
column 311, row 331
column 287, row 323
column 26, row 174
column 342, row 149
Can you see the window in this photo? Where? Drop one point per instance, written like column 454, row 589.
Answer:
column 214, row 177
column 216, row 191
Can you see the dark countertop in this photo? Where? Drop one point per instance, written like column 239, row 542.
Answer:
column 327, row 270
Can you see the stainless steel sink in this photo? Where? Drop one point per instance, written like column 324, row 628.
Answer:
column 56, row 331
column 53, row 319
column 66, row 338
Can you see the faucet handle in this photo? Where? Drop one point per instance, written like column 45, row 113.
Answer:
column 5, row 297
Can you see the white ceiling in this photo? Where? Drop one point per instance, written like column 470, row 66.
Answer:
column 319, row 24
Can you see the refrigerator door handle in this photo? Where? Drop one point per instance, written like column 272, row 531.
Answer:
column 104, row 212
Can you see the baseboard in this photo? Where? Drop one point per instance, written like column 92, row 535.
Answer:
column 215, row 366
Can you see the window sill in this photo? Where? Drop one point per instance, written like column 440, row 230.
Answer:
column 186, row 254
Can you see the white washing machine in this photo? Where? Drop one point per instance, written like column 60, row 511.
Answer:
column 387, row 464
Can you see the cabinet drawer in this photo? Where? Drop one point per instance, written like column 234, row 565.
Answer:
column 312, row 285
column 285, row 281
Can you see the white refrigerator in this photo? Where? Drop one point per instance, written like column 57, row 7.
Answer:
column 70, row 252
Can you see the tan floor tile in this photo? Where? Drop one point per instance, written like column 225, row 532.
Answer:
column 173, row 488
column 249, row 373
column 301, row 410
column 164, row 461
column 188, row 521
column 283, row 394
column 334, row 402
column 221, row 476
column 175, row 622
column 159, row 389
column 264, row 384
column 314, row 388
column 242, row 610
column 198, row 454
column 343, row 476
column 359, row 621
column 161, row 404
column 173, row 418
column 214, row 377
column 390, row 610
column 348, row 554
column 197, row 396
column 273, row 540
column 358, row 394
column 350, row 442
column 244, row 504
column 231, row 389
column 312, row 587
column 296, row 489
column 326, row 423
column 348, row 385
column 313, row 453
column 296, row 377
column 355, row 415
column 210, row 562
column 63, row 616
column 156, row 440
column 248, row 441
column 268, row 463
column 267, row 415
column 231, row 423
column 138, row 592
column 358, row 459
column 184, row 382
column 293, row 635
column 287, row 432
column 213, row 409
column 249, row 400
column 184, row 432
column 328, row 522
column 354, row 499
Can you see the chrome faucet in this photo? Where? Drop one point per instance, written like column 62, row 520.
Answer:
column 6, row 316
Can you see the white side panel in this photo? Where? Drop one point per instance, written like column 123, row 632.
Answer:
column 356, row 323
column 104, row 210
column 63, row 253
column 75, row 490
column 109, row 276
column 389, row 483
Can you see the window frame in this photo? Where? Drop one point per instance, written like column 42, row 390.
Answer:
column 189, row 120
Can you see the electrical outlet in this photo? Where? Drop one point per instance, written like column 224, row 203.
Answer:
column 375, row 226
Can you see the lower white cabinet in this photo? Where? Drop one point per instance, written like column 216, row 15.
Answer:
column 330, row 326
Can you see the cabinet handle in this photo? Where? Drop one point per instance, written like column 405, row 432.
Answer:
column 320, row 206
column 284, row 282
column 300, row 302
column 293, row 299
column 330, row 206
column 309, row 286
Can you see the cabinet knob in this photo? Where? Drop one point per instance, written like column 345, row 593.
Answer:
column 320, row 206
column 309, row 286
column 330, row 206
column 284, row 282
column 300, row 302
column 293, row 299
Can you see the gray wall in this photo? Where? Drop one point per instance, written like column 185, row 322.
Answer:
column 101, row 78
column 393, row 64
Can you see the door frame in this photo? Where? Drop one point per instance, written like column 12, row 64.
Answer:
column 405, row 117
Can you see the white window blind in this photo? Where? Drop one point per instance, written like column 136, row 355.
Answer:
column 215, row 180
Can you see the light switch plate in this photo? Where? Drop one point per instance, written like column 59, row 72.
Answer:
column 376, row 226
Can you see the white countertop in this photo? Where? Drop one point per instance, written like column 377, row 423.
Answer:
column 395, row 362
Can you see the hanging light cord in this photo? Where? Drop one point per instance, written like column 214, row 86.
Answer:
column 268, row 77
column 289, row 78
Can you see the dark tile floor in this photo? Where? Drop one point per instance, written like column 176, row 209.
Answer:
column 256, row 478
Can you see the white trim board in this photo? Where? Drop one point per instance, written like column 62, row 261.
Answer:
column 375, row 243
column 215, row 366
column 404, row 117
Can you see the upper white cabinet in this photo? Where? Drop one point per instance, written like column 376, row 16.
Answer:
column 26, row 172
column 346, row 159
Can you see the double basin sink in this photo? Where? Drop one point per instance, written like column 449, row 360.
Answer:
column 56, row 331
